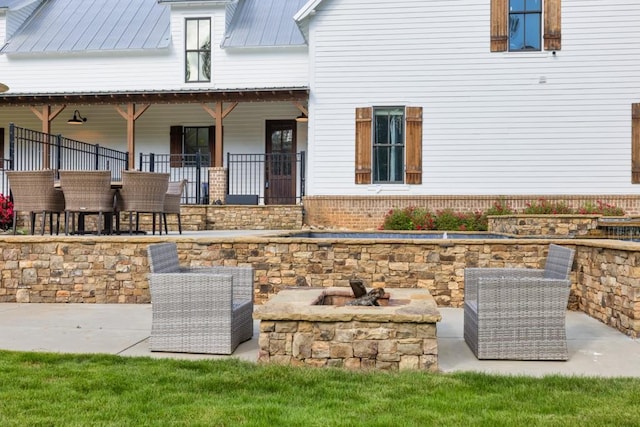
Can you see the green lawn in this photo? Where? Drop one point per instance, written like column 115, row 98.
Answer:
column 39, row 389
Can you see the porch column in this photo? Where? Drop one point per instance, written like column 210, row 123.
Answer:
column 131, row 115
column 218, row 115
column 46, row 116
column 217, row 184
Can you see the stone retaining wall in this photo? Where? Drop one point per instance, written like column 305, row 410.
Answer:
column 113, row 269
column 544, row 225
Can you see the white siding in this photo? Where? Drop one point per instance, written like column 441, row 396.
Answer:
column 158, row 70
column 494, row 123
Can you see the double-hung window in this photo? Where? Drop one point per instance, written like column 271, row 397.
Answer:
column 525, row 25
column 525, row 17
column 388, row 145
column 198, row 50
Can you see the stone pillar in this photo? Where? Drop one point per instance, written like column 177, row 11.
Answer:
column 217, row 184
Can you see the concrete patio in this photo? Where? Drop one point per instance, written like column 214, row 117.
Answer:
column 594, row 348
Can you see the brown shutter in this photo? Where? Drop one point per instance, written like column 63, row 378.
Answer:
column 363, row 145
column 175, row 146
column 552, row 20
column 212, row 143
column 499, row 25
column 414, row 145
column 635, row 143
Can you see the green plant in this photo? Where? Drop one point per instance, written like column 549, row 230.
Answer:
column 600, row 208
column 500, row 207
column 545, row 207
column 410, row 218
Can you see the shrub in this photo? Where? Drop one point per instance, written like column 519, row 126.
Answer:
column 500, row 207
column 411, row 218
column 600, row 208
column 6, row 212
column 545, row 207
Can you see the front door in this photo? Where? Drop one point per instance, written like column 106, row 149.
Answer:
column 280, row 164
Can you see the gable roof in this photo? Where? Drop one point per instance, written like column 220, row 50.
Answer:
column 264, row 23
column 93, row 25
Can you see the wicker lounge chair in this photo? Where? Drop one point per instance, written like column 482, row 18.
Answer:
column 199, row 309
column 519, row 313
column 34, row 192
column 85, row 192
column 172, row 202
column 143, row 192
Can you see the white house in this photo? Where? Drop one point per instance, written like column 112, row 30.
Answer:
column 443, row 102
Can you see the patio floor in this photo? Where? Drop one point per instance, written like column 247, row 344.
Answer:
column 594, row 348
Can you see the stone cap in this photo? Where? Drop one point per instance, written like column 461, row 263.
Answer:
column 296, row 304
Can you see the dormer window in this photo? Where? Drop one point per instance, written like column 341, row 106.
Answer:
column 198, row 50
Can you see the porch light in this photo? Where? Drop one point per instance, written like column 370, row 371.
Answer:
column 3, row 87
column 77, row 119
column 302, row 118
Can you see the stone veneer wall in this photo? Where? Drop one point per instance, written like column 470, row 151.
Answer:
column 351, row 345
column 113, row 269
column 367, row 212
column 544, row 225
column 208, row 217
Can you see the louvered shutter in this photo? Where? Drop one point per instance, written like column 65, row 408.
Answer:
column 499, row 25
column 414, row 145
column 552, row 21
column 363, row 145
column 635, row 143
column 175, row 146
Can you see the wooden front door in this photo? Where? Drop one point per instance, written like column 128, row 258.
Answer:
column 280, row 165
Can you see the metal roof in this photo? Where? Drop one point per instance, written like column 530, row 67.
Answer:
column 93, row 25
column 265, row 23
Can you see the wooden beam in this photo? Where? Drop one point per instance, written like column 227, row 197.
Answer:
column 46, row 116
column 218, row 115
column 131, row 116
column 301, row 108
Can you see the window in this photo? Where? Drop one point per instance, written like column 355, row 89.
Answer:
column 525, row 25
column 196, row 139
column 388, row 145
column 198, row 50
column 190, row 140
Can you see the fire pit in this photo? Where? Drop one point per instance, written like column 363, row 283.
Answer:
column 316, row 327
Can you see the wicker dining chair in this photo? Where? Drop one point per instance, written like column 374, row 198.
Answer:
column 519, row 313
column 34, row 192
column 198, row 309
column 87, row 192
column 172, row 202
column 143, row 192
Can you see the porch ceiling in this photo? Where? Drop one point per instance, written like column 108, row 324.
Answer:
column 158, row 97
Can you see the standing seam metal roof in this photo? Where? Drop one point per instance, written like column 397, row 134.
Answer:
column 93, row 25
column 265, row 23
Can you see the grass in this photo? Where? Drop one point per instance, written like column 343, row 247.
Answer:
column 86, row 390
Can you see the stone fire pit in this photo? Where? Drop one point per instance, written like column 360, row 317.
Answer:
column 312, row 326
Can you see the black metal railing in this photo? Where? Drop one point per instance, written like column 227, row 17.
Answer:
column 192, row 167
column 33, row 150
column 270, row 178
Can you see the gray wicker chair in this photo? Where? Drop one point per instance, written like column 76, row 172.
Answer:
column 143, row 192
column 519, row 313
column 85, row 192
column 198, row 309
column 34, row 192
column 172, row 202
